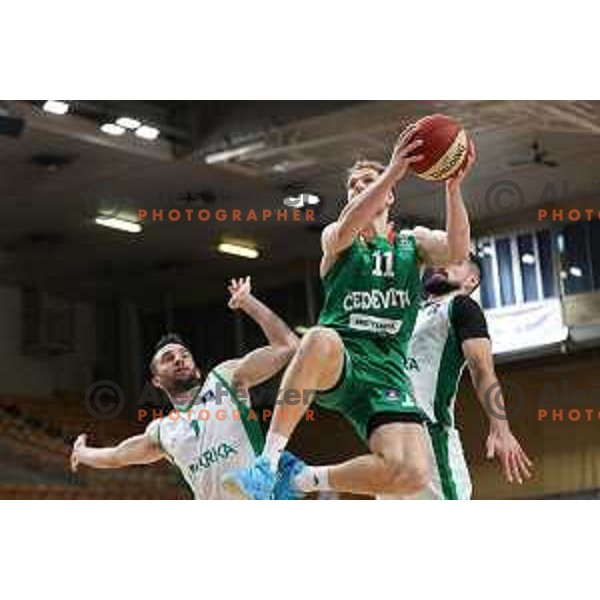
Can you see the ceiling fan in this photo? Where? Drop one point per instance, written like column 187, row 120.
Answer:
column 538, row 157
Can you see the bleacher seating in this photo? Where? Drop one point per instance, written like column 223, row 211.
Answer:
column 37, row 436
column 66, row 492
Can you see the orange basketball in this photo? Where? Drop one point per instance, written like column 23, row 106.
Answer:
column 445, row 147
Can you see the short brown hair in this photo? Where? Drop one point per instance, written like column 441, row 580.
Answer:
column 364, row 163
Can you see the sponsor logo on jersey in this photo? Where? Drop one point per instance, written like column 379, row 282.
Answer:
column 375, row 324
column 376, row 299
column 411, row 363
column 432, row 309
column 404, row 240
column 210, row 457
column 394, row 395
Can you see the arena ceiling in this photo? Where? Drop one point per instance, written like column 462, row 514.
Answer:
column 62, row 170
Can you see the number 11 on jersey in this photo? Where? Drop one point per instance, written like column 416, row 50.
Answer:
column 379, row 259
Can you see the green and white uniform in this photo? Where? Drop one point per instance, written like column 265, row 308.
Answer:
column 212, row 435
column 372, row 296
column 437, row 365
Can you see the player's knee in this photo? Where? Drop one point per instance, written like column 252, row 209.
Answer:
column 322, row 338
column 419, row 476
column 407, row 476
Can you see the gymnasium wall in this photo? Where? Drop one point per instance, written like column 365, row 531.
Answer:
column 40, row 376
column 566, row 452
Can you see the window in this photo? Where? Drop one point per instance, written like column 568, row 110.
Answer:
column 576, row 272
column 546, row 262
column 505, row 271
column 488, row 297
column 594, row 232
column 528, row 261
column 517, row 269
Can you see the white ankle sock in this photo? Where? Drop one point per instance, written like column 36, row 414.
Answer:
column 274, row 446
column 313, row 479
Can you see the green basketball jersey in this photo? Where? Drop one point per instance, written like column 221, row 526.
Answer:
column 372, row 297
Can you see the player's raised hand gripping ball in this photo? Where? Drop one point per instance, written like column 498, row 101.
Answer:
column 239, row 289
column 455, row 180
column 444, row 150
column 407, row 151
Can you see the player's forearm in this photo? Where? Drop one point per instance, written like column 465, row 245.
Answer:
column 100, row 458
column 364, row 208
column 489, row 393
column 458, row 227
column 275, row 329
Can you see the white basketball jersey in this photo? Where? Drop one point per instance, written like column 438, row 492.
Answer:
column 437, row 361
column 217, row 433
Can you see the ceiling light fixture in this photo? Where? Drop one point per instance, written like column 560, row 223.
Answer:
column 237, row 250
column 528, row 259
column 575, row 272
column 56, row 107
column 147, row 133
column 120, row 224
column 112, row 129
column 128, row 122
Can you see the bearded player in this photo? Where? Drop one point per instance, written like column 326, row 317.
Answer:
column 451, row 333
column 355, row 358
column 203, row 448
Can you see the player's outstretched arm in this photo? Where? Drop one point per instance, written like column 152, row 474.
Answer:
column 358, row 213
column 262, row 363
column 440, row 248
column 458, row 227
column 500, row 443
column 136, row 450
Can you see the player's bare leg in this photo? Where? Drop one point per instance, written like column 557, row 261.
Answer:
column 316, row 366
column 399, row 463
